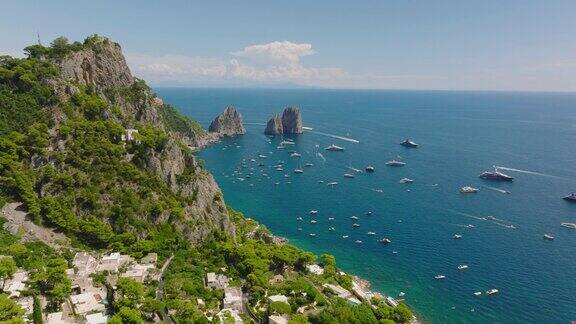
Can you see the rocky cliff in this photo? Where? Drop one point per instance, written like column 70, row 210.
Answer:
column 101, row 69
column 274, row 126
column 292, row 121
column 228, row 123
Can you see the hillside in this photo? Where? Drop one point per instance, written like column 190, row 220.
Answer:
column 107, row 215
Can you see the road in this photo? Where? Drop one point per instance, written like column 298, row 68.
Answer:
column 160, row 289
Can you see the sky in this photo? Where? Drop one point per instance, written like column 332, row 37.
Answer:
column 512, row 45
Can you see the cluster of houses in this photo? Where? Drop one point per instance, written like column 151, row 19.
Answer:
column 88, row 301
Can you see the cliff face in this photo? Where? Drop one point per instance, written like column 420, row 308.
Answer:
column 274, row 126
column 228, row 123
column 292, row 121
column 102, row 68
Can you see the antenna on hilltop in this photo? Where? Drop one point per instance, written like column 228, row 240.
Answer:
column 38, row 36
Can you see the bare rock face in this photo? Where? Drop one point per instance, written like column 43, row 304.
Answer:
column 274, row 126
column 292, row 121
column 228, row 123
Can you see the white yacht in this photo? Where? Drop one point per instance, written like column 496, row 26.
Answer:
column 462, row 267
column 330, row 218
column 478, row 293
column 568, row 225
column 469, row 189
column 385, row 241
column 331, row 229
column 308, row 165
column 345, row 236
column 354, row 217
column 334, row 148
column 313, row 221
column 355, row 225
column 348, row 175
column 299, row 218
column 358, row 242
column 548, row 237
column 371, row 233
column 439, row 277
column 331, row 184
column 395, row 163
column 312, row 234
column 406, row 180
column 298, row 171
column 457, row 236
column 295, row 154
column 492, row 291
column 313, row 212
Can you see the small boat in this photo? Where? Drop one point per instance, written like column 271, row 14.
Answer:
column 495, row 175
column 313, row 221
column 261, row 156
column 406, row 180
column 468, row 189
column 300, row 228
column 313, row 212
column 439, row 277
column 279, row 169
column 371, row 233
column 358, row 242
column 401, row 294
column 331, row 229
column 286, row 142
column 568, row 225
column 299, row 218
column 295, row 154
column 356, row 225
column 571, row 197
column 312, row 234
column 368, row 213
column 252, row 160
column 462, row 267
column 394, row 252
column 345, row 236
column 478, row 293
column 370, row 168
column 408, row 143
column 308, row 165
column 331, row 184
column 280, row 147
column 330, row 218
column 348, row 175
column 457, row 236
column 298, row 171
column 548, row 237
column 470, row 226
column 385, row 241
column 354, row 217
column 334, row 148
column 492, row 291
column 395, row 163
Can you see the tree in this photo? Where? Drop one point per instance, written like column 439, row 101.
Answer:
column 7, row 269
column 403, row 313
column 280, row 308
column 126, row 316
column 130, row 293
column 9, row 310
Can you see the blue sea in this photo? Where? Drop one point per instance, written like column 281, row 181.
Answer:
column 461, row 134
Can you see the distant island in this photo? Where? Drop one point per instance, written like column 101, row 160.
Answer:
column 109, row 217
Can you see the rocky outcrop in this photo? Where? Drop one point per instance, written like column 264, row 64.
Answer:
column 274, row 126
column 228, row 123
column 292, row 121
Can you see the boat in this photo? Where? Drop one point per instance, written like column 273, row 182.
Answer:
column 408, row 143
column 331, row 229
column 462, row 267
column 313, row 221
column 495, row 175
column 261, row 156
column 330, row 218
column 299, row 218
column 468, row 189
column 370, row 168
column 478, row 293
column 548, row 237
column 394, row 252
column 354, row 217
column 371, row 233
column 406, row 180
column 313, row 212
column 568, row 225
column 470, row 226
column 334, row 148
column 439, row 277
column 368, row 213
column 295, row 154
column 286, row 142
column 308, row 165
column 356, row 225
column 492, row 291
column 345, row 236
column 401, row 294
column 457, row 236
column 395, row 163
column 348, row 175
column 358, row 242
column 298, row 171
column 571, row 197
column 279, row 169
column 330, row 184
column 385, row 241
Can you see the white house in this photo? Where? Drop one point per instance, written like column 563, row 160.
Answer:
column 278, row 298
column 87, row 303
column 232, row 298
column 216, row 281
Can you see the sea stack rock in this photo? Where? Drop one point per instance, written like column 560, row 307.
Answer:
column 292, row 121
column 228, row 123
column 274, row 126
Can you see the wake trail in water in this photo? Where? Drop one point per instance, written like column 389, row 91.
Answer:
column 335, row 136
column 354, row 169
column 497, row 189
column 321, row 156
column 467, row 215
column 307, row 128
column 529, row 172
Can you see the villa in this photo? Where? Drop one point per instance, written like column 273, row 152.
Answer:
column 232, row 298
column 216, row 281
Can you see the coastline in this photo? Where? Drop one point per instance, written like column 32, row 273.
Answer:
column 361, row 286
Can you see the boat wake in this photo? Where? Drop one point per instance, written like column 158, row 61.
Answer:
column 491, row 219
column 497, row 189
column 307, row 128
column 467, row 215
column 336, row 136
column 528, row 172
column 354, row 169
column 321, row 156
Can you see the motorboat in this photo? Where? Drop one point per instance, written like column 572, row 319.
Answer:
column 470, row 226
column 334, row 148
column 313, row 212
column 261, row 156
column 492, row 291
column 568, row 225
column 286, row 142
column 385, row 241
column 406, row 180
column 295, row 154
column 462, row 267
column 308, row 165
column 348, row 175
column 345, row 236
column 548, row 237
column 371, row 233
column 313, row 221
column 299, row 218
column 457, row 236
column 330, row 218
column 408, row 143
column 368, row 213
column 331, row 229
column 356, row 225
column 571, row 197
column 478, row 293
column 468, row 189
column 331, row 184
column 298, row 171
column 401, row 294
column 439, row 277
column 358, row 242
column 395, row 163
column 354, row 217
column 370, row 169
column 495, row 175
column 312, row 234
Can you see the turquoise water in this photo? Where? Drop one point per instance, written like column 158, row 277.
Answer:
column 461, row 134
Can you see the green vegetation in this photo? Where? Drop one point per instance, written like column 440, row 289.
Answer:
column 10, row 312
column 177, row 122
